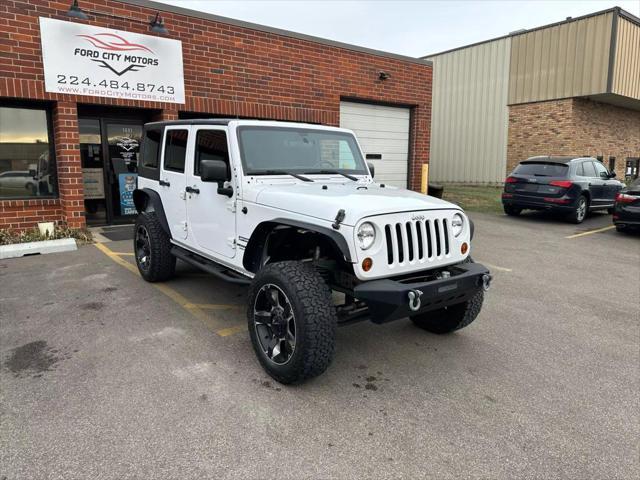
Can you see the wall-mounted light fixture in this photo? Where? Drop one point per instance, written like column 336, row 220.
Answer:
column 383, row 75
column 156, row 24
column 75, row 11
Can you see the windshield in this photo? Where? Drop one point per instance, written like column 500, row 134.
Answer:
column 269, row 150
column 542, row 169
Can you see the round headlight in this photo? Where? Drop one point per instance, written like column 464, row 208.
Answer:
column 366, row 235
column 457, row 223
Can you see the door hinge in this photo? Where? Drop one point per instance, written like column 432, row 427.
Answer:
column 231, row 206
column 184, row 226
column 183, row 195
column 231, row 241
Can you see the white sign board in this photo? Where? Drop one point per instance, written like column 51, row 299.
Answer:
column 82, row 59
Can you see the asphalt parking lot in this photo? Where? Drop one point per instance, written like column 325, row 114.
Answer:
column 106, row 376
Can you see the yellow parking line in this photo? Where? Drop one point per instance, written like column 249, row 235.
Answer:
column 598, row 230
column 495, row 267
column 225, row 332
column 212, row 306
column 193, row 308
column 123, row 254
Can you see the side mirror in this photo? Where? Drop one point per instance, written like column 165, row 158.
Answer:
column 213, row 171
column 216, row 171
column 372, row 169
column 612, row 175
column 32, row 172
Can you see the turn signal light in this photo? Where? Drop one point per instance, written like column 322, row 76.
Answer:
column 367, row 263
column 561, row 183
column 463, row 248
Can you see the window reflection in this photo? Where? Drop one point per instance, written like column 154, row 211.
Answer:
column 26, row 166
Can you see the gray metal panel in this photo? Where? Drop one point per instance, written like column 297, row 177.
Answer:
column 562, row 61
column 626, row 67
column 469, row 118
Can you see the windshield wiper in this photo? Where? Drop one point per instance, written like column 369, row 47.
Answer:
column 335, row 172
column 282, row 172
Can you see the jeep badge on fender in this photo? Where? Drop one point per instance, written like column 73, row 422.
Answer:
column 293, row 212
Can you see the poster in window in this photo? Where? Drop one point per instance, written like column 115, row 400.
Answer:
column 93, row 180
column 128, row 183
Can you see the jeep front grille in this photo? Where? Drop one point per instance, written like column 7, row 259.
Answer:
column 417, row 240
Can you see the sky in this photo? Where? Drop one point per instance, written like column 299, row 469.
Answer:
column 408, row 27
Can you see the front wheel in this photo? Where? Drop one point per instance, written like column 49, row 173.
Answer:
column 452, row 318
column 292, row 321
column 152, row 249
column 579, row 213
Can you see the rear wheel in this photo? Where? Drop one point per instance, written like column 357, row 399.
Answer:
column 512, row 211
column 452, row 318
column 152, row 249
column 579, row 213
column 292, row 321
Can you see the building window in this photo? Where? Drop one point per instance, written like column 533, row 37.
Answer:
column 27, row 164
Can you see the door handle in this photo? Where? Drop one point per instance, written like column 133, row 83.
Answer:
column 192, row 190
column 164, row 183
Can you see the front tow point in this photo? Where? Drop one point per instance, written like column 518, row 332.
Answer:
column 414, row 300
column 486, row 281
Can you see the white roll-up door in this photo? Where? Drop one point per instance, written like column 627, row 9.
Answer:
column 383, row 133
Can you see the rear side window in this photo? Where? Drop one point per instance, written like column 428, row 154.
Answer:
column 588, row 170
column 175, row 150
column 601, row 170
column 151, row 147
column 542, row 169
column 211, row 145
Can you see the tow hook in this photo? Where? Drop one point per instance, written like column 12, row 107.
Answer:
column 486, row 281
column 414, row 300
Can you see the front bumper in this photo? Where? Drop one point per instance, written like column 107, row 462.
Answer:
column 390, row 299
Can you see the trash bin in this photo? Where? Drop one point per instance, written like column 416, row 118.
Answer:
column 435, row 190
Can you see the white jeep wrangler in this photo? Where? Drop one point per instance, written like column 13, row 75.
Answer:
column 292, row 210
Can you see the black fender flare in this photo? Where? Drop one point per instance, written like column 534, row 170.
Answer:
column 148, row 200
column 472, row 229
column 262, row 230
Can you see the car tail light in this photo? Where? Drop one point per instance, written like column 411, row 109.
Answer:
column 507, row 195
column 624, row 198
column 561, row 183
column 557, row 200
column 510, row 180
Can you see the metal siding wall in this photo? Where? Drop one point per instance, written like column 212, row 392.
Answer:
column 626, row 71
column 567, row 60
column 469, row 117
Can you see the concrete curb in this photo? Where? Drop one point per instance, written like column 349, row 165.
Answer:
column 32, row 248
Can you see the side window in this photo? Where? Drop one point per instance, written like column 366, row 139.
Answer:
column 211, row 145
column 150, row 147
column 601, row 170
column 589, row 169
column 175, row 150
column 580, row 170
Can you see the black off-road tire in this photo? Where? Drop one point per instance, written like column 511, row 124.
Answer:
column 576, row 216
column 315, row 320
column 511, row 210
column 452, row 318
column 162, row 265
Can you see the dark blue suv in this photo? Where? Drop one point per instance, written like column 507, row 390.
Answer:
column 570, row 185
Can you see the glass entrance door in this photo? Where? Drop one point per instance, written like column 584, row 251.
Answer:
column 123, row 147
column 109, row 151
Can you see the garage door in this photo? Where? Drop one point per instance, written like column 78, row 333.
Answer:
column 383, row 133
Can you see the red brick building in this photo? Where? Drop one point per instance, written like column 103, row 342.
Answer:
column 61, row 151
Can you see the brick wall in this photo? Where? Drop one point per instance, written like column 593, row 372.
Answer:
column 263, row 75
column 573, row 126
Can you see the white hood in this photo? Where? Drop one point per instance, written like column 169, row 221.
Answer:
column 358, row 199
